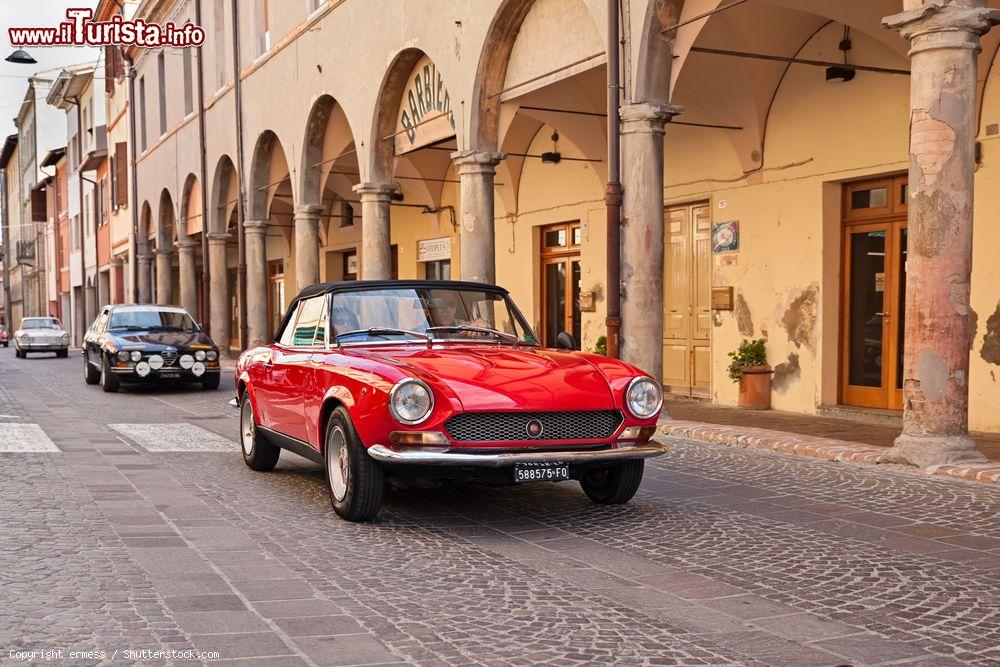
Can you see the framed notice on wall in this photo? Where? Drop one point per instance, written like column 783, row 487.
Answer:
column 726, row 237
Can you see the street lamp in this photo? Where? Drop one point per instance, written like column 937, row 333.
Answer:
column 21, row 57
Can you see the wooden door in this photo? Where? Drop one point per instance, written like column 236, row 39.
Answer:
column 873, row 293
column 560, row 282
column 687, row 315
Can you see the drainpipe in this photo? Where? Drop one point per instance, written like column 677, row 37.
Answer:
column 206, row 271
column 613, row 190
column 5, row 221
column 241, row 276
column 83, row 241
column 133, row 265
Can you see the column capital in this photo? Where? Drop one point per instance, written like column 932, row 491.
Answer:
column 950, row 25
column 375, row 191
column 474, row 161
column 186, row 245
column 308, row 211
column 643, row 117
column 217, row 238
column 256, row 226
column 144, row 257
column 162, row 251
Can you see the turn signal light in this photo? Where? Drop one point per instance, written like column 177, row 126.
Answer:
column 639, row 433
column 419, row 438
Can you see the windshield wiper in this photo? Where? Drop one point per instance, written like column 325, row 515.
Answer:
column 502, row 335
column 126, row 327
column 381, row 331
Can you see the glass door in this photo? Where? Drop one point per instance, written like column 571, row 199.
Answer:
column 561, row 277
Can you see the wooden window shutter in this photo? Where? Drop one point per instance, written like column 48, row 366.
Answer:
column 109, row 69
column 121, row 173
column 38, row 205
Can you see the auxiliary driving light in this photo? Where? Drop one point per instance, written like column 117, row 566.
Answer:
column 200, row 355
column 186, row 361
column 142, row 369
column 136, row 355
column 198, row 369
column 156, row 362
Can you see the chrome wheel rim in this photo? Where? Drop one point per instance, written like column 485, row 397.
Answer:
column 338, row 467
column 246, row 427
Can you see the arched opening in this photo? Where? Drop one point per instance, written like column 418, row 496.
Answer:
column 223, row 249
column 191, row 258
column 164, row 267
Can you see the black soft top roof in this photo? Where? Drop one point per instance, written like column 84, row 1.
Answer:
column 357, row 285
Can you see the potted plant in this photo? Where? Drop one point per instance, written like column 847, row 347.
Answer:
column 749, row 367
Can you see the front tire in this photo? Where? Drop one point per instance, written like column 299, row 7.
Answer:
column 615, row 485
column 90, row 374
column 258, row 453
column 212, row 382
column 354, row 480
column 62, row 354
column 109, row 381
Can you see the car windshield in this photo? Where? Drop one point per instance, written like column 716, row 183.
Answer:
column 416, row 314
column 40, row 323
column 151, row 320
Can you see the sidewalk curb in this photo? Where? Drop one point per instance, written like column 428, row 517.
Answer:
column 814, row 447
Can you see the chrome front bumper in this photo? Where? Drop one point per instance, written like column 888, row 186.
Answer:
column 430, row 456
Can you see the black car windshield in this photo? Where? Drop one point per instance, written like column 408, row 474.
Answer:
column 414, row 314
column 40, row 323
column 150, row 320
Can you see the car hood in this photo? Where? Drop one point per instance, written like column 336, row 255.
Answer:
column 164, row 339
column 485, row 377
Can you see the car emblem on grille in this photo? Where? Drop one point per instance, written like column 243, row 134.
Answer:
column 534, row 428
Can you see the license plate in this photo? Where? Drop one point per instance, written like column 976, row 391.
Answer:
column 170, row 374
column 542, row 472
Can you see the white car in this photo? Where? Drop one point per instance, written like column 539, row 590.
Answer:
column 41, row 334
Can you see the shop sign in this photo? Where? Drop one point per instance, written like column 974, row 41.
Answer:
column 425, row 115
column 352, row 264
column 432, row 250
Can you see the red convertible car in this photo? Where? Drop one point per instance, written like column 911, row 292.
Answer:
column 439, row 379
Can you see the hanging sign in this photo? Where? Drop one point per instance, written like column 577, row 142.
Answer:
column 432, row 250
column 425, row 115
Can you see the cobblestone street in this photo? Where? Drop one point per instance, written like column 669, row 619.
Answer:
column 130, row 523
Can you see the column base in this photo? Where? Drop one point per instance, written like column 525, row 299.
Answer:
column 929, row 450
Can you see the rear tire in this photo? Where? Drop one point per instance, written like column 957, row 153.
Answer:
column 90, row 374
column 109, row 381
column 354, row 480
column 615, row 485
column 258, row 453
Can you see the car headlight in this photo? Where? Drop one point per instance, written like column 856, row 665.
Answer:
column 212, row 355
column 123, row 356
column 644, row 398
column 199, row 355
column 65, row 338
column 25, row 338
column 410, row 401
column 136, row 355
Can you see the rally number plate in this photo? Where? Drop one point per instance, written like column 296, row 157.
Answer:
column 543, row 472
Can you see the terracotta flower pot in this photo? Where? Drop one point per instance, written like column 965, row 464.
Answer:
column 755, row 388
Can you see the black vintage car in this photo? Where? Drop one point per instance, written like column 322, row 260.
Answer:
column 148, row 344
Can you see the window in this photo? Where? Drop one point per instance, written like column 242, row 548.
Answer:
column 289, row 330
column 309, row 329
column 219, row 25
column 262, row 26
column 161, row 67
column 347, row 216
column 438, row 270
column 188, row 55
column 315, row 4
column 142, row 113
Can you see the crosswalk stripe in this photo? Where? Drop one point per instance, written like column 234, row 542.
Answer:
column 22, row 438
column 179, row 437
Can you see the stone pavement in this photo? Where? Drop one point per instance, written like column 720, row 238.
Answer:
column 127, row 537
column 832, row 439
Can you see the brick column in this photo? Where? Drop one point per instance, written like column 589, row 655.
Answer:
column 188, row 276
column 307, row 245
column 376, row 247
column 256, row 248
column 143, row 277
column 164, row 276
column 641, row 249
column 944, row 43
column 218, row 293
column 476, row 170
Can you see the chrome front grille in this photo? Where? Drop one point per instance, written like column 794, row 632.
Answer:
column 507, row 426
column 169, row 358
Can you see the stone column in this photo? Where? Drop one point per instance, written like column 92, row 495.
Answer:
column 476, row 170
column 376, row 247
column 218, row 293
column 143, row 277
column 164, row 276
column 307, row 245
column 188, row 276
column 641, row 249
column 944, row 43
column 256, row 249
column 116, row 280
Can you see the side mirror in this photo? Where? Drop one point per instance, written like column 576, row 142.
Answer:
column 565, row 341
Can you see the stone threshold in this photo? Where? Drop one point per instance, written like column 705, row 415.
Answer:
column 819, row 448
